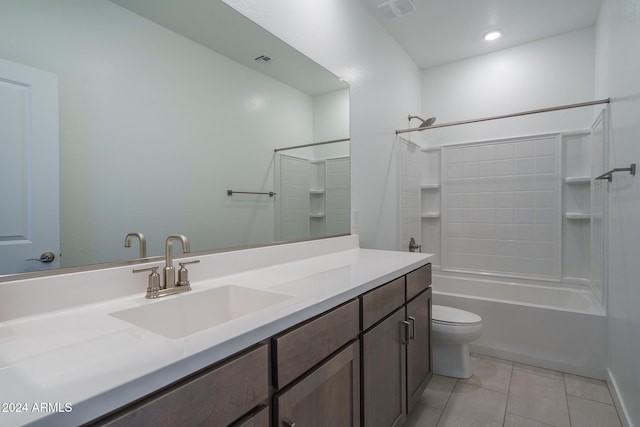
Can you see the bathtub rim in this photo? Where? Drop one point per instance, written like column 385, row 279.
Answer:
column 594, row 306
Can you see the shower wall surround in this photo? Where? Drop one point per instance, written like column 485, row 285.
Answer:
column 409, row 172
column 500, row 205
column 313, row 196
column 518, row 207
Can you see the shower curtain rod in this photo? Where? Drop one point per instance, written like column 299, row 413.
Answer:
column 312, row 144
column 523, row 113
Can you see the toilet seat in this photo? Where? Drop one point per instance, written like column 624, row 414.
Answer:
column 454, row 316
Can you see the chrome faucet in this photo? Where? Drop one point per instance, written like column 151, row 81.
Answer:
column 169, row 285
column 143, row 243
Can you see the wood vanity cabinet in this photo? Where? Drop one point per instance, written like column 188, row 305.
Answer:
column 217, row 396
column 419, row 364
column 396, row 347
column 383, row 355
column 317, row 371
column 366, row 362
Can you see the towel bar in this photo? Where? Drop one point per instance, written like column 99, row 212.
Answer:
column 231, row 192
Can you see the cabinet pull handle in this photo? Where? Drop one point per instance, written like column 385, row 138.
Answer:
column 288, row 423
column 412, row 336
column 404, row 332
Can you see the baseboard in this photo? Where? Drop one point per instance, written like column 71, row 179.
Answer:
column 622, row 409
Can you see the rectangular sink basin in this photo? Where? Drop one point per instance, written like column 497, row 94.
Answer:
column 185, row 314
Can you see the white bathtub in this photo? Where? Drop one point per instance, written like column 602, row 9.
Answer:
column 554, row 328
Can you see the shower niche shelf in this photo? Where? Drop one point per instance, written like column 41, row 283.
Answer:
column 578, row 180
column 433, row 186
column 577, row 215
column 431, row 201
column 430, row 215
column 576, row 205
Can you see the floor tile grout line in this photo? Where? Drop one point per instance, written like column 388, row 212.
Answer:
column 530, row 419
column 591, row 400
column 506, row 404
column 566, row 397
column 447, row 402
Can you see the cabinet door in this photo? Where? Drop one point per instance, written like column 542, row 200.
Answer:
column 384, row 373
column 328, row 397
column 419, row 370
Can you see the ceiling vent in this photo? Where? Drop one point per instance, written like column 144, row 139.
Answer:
column 262, row 59
column 392, row 9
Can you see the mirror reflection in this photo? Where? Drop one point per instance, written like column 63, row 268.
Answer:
column 162, row 108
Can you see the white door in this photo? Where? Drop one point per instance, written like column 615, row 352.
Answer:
column 29, row 178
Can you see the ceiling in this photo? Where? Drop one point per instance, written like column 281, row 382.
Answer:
column 217, row 26
column 442, row 31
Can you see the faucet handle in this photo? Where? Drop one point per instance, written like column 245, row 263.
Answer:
column 183, row 273
column 154, row 280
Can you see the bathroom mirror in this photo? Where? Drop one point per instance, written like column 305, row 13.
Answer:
column 163, row 107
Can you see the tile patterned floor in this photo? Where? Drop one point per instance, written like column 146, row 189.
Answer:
column 510, row 394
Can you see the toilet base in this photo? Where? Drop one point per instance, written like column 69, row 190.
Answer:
column 452, row 360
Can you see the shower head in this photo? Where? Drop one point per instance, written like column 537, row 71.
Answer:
column 425, row 122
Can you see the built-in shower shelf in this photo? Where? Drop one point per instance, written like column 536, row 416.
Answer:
column 430, row 215
column 576, row 280
column 577, row 179
column 317, row 215
column 317, row 191
column 428, row 149
column 577, row 215
column 430, row 186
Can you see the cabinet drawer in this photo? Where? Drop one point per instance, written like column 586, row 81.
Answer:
column 300, row 349
column 215, row 398
column 260, row 419
column 418, row 280
column 378, row 303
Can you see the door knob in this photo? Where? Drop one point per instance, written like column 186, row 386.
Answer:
column 46, row 257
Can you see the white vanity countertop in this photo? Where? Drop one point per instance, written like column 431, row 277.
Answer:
column 86, row 358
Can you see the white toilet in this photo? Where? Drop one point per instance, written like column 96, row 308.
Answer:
column 452, row 329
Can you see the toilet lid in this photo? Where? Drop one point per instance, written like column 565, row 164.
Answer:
column 450, row 315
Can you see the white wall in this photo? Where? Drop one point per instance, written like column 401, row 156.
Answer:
column 331, row 122
column 331, row 116
column 343, row 37
column 535, row 75
column 116, row 71
column 618, row 77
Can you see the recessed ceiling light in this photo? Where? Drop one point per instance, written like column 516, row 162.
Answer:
column 492, row 35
